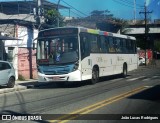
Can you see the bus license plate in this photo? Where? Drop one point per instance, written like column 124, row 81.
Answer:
column 56, row 78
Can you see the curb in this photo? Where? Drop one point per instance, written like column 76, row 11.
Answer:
column 32, row 85
column 16, row 88
column 36, row 85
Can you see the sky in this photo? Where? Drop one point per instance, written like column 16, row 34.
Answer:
column 154, row 6
column 123, row 9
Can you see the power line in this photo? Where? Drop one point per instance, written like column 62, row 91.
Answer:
column 7, row 24
column 73, row 13
column 27, row 16
column 131, row 3
column 124, row 4
column 70, row 10
column 74, row 8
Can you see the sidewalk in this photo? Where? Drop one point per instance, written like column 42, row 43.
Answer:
column 22, row 85
column 154, row 63
column 31, row 83
column 158, row 62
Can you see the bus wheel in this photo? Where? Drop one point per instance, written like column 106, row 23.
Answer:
column 124, row 74
column 95, row 76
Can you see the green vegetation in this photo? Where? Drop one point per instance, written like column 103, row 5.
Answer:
column 21, row 78
column 101, row 14
column 52, row 17
column 157, row 45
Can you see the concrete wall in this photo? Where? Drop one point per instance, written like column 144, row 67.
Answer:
column 24, row 63
column 20, row 52
column 141, row 30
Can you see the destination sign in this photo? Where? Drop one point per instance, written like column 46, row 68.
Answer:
column 58, row 32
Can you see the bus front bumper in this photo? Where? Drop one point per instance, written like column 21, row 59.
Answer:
column 73, row 76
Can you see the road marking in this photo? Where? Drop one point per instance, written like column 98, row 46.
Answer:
column 85, row 110
column 135, row 78
column 116, row 79
column 146, row 79
column 155, row 76
column 148, row 86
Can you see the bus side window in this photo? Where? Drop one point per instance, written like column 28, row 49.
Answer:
column 124, row 49
column 118, row 45
column 84, row 45
column 133, row 45
column 129, row 47
column 95, row 44
column 104, row 44
column 111, row 45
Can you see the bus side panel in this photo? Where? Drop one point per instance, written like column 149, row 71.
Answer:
column 103, row 61
column 86, row 68
column 120, row 60
column 132, row 62
column 107, row 65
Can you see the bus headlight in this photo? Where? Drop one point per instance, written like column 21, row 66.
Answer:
column 75, row 67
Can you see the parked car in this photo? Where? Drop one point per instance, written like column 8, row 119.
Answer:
column 141, row 61
column 7, row 74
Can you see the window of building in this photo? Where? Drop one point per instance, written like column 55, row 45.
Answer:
column 10, row 54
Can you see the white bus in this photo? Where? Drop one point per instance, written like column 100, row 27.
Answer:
column 69, row 54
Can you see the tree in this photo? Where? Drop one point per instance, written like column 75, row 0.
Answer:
column 105, row 20
column 157, row 45
column 104, row 14
column 124, row 28
column 52, row 17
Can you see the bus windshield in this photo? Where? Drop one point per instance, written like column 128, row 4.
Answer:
column 57, row 50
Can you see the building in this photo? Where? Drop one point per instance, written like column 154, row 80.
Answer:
column 138, row 31
column 3, row 55
column 17, row 19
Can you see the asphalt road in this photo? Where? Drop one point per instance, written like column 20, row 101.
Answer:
column 107, row 101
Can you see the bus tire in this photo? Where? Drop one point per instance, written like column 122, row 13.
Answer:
column 95, row 75
column 125, row 71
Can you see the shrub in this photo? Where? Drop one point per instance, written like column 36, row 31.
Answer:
column 21, row 78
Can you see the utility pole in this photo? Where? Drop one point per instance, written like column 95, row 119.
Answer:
column 58, row 11
column 134, row 11
column 69, row 13
column 146, row 30
column 38, row 13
